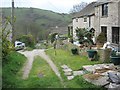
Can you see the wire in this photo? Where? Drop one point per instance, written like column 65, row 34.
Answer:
column 54, row 6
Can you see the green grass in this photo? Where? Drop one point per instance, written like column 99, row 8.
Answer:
column 75, row 62
column 12, row 74
column 10, row 70
column 49, row 79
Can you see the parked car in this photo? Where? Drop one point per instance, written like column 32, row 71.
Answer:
column 19, row 45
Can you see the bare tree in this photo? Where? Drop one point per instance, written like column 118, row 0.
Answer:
column 78, row 7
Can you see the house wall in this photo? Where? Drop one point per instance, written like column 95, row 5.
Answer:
column 9, row 28
column 119, row 13
column 119, row 18
column 110, row 21
column 82, row 24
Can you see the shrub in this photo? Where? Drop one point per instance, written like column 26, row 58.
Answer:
column 52, row 37
column 74, row 51
column 28, row 40
column 101, row 38
column 82, row 34
column 7, row 46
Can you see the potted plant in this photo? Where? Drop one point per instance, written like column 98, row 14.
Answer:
column 74, row 51
column 115, row 57
column 85, row 37
column 100, row 40
column 91, row 52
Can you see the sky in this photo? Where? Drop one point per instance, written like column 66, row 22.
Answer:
column 61, row 6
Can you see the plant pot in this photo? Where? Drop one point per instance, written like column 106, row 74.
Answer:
column 91, row 53
column 74, row 51
column 104, row 55
column 115, row 60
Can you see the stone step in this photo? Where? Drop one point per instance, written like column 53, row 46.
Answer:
column 68, row 73
column 64, row 67
column 77, row 73
column 67, row 70
column 70, row 77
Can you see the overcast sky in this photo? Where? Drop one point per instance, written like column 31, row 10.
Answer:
column 61, row 6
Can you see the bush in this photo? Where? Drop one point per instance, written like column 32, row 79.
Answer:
column 74, row 51
column 101, row 38
column 7, row 46
column 52, row 37
column 82, row 34
column 28, row 40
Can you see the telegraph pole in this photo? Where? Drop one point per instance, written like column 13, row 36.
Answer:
column 12, row 20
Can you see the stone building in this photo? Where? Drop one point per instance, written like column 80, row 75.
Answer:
column 84, row 19
column 107, row 20
column 102, row 16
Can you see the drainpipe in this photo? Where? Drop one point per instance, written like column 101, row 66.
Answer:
column 99, row 19
column 89, row 21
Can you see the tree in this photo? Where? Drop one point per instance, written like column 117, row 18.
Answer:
column 78, row 7
column 28, row 40
column 7, row 46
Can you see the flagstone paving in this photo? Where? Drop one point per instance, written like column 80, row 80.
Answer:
column 95, row 74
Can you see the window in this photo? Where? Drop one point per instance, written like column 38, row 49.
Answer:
column 85, row 19
column 115, row 35
column 89, row 22
column 104, row 30
column 76, row 19
column 105, row 10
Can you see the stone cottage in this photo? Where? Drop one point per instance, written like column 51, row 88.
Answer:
column 102, row 16
column 107, row 20
column 84, row 19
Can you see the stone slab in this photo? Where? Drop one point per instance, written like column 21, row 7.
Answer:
column 68, row 73
column 89, row 68
column 99, row 82
column 77, row 73
column 92, row 68
column 70, row 77
column 67, row 70
column 64, row 67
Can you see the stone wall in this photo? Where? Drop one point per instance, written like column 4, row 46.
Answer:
column 82, row 24
column 119, row 18
column 110, row 21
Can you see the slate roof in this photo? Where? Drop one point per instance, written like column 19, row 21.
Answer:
column 100, row 2
column 88, row 10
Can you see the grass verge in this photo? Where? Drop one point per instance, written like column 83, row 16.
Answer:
column 10, row 76
column 75, row 62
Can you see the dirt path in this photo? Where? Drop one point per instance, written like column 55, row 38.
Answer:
column 30, row 56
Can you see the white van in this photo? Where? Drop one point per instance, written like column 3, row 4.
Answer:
column 19, row 45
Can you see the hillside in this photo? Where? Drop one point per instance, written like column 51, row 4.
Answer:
column 37, row 21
